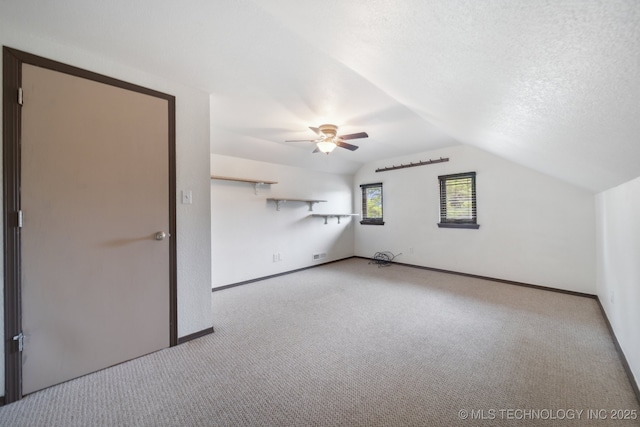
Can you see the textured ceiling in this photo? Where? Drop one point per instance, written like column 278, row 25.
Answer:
column 553, row 85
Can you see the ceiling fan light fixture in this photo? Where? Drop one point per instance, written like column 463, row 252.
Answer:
column 326, row 146
column 328, row 139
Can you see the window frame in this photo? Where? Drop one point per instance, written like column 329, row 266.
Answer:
column 469, row 223
column 365, row 219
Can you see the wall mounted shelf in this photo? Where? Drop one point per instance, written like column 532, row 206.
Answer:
column 283, row 200
column 255, row 182
column 327, row 216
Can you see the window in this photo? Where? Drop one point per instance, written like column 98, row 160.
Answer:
column 458, row 201
column 372, row 204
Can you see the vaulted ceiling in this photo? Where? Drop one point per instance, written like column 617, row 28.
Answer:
column 551, row 84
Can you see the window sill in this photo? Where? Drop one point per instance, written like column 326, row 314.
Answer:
column 371, row 222
column 454, row 225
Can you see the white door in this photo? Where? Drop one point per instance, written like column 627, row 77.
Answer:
column 95, row 191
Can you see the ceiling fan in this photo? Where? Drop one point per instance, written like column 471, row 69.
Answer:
column 329, row 139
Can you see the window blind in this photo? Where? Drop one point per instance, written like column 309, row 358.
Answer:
column 458, row 198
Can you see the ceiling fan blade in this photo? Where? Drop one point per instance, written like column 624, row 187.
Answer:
column 316, row 130
column 347, row 146
column 354, row 135
column 317, row 150
column 300, row 140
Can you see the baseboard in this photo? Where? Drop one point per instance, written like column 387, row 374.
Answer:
column 439, row 270
column 195, row 335
column 623, row 358
column 246, row 282
column 493, row 279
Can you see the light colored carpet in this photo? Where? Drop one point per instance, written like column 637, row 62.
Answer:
column 352, row 344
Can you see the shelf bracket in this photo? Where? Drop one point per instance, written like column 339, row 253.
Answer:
column 277, row 201
column 255, row 187
column 339, row 216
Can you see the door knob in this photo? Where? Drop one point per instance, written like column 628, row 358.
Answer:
column 161, row 235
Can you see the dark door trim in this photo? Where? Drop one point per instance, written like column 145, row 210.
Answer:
column 12, row 118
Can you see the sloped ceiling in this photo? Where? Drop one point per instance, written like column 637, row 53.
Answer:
column 553, row 85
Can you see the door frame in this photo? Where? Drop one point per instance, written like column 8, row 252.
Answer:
column 12, row 118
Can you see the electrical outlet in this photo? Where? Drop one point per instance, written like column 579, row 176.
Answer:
column 319, row 256
column 410, row 250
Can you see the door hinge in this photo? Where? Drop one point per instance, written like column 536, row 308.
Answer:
column 20, row 96
column 20, row 339
column 19, row 219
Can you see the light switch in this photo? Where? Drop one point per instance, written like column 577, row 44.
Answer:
column 187, row 197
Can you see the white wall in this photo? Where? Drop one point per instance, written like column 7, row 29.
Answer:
column 533, row 228
column 618, row 265
column 192, row 141
column 247, row 230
